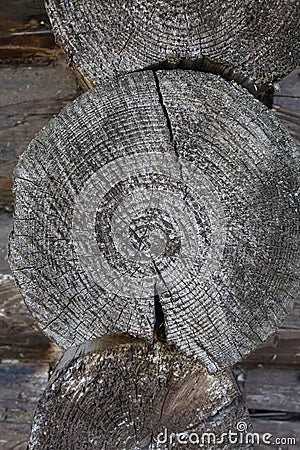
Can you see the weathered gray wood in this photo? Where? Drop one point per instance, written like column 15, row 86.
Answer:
column 123, row 395
column 160, row 186
column 280, row 350
column 6, row 223
column 26, row 359
column 291, row 120
column 19, row 126
column 271, row 390
column 30, row 95
column 21, row 385
column 292, row 320
column 18, row 431
column 26, row 343
column 251, row 41
column 20, row 338
column 287, row 95
column 279, row 429
column 251, row 144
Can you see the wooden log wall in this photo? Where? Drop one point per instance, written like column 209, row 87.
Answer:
column 35, row 83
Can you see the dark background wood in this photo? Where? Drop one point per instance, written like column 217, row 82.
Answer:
column 35, row 83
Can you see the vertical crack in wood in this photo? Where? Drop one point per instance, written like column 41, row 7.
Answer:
column 161, row 101
column 159, row 331
column 168, row 121
column 264, row 92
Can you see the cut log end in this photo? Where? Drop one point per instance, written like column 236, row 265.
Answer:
column 135, row 396
column 160, row 202
column 255, row 45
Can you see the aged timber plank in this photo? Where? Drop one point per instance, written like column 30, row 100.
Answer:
column 280, row 350
column 271, row 389
column 21, row 385
column 25, row 31
column 287, row 95
column 291, row 120
column 287, row 103
column 5, row 228
column 20, row 338
column 281, row 434
column 26, row 360
column 29, row 97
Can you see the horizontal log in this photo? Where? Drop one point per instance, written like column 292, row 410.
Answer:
column 20, row 338
column 30, row 97
column 25, row 31
column 21, row 385
column 271, row 390
column 280, row 350
column 287, row 94
column 279, row 429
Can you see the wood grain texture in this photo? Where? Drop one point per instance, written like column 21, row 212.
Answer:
column 18, row 126
column 282, row 429
column 6, row 222
column 124, row 395
column 270, row 390
column 20, row 338
column 291, row 120
column 160, row 186
column 23, row 348
column 253, row 42
column 26, row 360
column 30, row 95
column 25, row 31
column 287, row 94
column 21, row 385
column 281, row 350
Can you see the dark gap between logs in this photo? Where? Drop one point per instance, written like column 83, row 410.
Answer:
column 263, row 93
column 159, row 331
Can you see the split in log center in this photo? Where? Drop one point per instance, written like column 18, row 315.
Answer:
column 159, row 332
